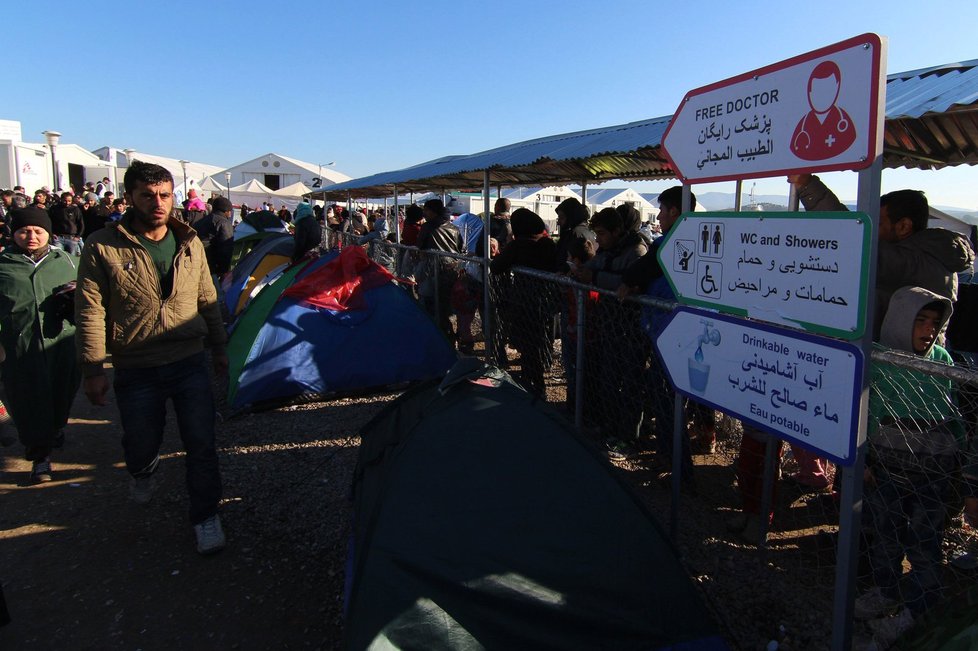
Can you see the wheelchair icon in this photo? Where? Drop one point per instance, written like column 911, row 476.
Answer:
column 710, row 279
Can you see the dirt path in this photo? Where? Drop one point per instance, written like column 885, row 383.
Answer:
column 84, row 568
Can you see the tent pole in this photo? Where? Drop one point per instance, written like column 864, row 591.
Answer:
column 584, row 192
column 490, row 350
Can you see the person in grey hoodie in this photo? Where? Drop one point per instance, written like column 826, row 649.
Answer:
column 910, row 254
column 916, row 445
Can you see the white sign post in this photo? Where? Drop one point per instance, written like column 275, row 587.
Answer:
column 793, row 385
column 806, row 273
column 811, row 113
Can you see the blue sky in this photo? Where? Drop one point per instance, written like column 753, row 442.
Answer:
column 375, row 85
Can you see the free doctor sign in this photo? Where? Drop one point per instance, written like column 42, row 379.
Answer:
column 794, row 385
column 815, row 112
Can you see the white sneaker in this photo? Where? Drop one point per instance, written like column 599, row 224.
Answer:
column 873, row 604
column 141, row 489
column 888, row 630
column 210, row 536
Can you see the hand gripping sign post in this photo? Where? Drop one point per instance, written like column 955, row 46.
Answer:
column 819, row 111
column 802, row 273
column 814, row 112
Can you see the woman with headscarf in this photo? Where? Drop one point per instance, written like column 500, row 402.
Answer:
column 37, row 334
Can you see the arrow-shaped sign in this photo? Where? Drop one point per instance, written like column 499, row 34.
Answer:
column 801, row 270
column 793, row 385
column 815, row 112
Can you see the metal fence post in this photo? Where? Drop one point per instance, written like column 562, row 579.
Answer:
column 487, row 316
column 432, row 259
column 851, row 503
column 767, row 487
column 579, row 362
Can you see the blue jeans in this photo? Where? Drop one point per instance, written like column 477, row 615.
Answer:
column 142, row 394
column 908, row 518
column 67, row 244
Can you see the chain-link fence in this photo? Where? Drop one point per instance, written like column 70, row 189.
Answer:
column 590, row 354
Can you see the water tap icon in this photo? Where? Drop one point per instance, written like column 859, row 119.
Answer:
column 710, row 335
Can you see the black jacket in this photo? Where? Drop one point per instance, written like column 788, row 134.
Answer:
column 67, row 220
column 441, row 235
column 216, row 233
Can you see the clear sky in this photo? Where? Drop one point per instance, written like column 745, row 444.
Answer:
column 377, row 86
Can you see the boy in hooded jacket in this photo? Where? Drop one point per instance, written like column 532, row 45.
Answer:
column 915, row 441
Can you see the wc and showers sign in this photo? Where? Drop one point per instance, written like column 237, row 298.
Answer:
column 810, row 273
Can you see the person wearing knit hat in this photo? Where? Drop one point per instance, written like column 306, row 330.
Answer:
column 215, row 230
column 30, row 216
column 38, row 343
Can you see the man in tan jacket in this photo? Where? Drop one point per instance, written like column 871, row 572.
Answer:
column 144, row 288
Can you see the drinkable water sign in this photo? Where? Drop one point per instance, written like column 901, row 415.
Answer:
column 815, row 112
column 795, row 386
column 806, row 272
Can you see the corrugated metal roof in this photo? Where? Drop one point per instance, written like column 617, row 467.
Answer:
column 931, row 122
column 626, row 151
column 932, row 117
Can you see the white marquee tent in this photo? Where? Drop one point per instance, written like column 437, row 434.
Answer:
column 294, row 191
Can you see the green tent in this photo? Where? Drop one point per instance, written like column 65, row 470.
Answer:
column 481, row 520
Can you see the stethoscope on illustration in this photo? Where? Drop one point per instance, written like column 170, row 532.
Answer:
column 841, row 127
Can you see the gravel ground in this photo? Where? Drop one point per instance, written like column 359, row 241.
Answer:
column 83, row 568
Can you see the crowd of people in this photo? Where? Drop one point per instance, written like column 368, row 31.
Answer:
column 88, row 276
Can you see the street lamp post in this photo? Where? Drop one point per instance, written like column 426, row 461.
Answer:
column 52, row 137
column 183, row 165
column 227, row 181
column 322, row 181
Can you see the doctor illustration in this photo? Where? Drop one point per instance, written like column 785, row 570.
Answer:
column 826, row 131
